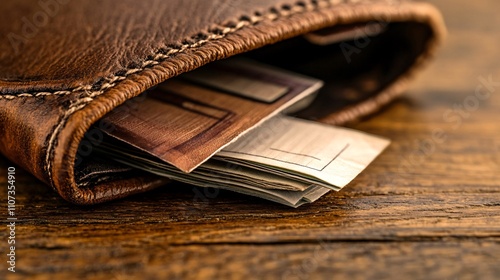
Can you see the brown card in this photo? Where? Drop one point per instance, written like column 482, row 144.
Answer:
column 186, row 120
column 337, row 34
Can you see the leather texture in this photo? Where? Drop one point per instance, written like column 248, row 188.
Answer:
column 65, row 64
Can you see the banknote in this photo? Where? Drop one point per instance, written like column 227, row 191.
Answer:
column 286, row 160
column 225, row 126
column 188, row 119
column 308, row 151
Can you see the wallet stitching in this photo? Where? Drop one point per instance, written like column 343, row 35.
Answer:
column 213, row 34
column 162, row 55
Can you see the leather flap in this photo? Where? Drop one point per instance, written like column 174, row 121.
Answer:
column 65, row 64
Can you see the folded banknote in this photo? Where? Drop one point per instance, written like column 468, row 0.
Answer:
column 225, row 126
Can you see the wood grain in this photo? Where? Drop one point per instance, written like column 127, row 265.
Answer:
column 428, row 208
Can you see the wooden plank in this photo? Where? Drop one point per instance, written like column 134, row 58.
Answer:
column 428, row 208
column 323, row 260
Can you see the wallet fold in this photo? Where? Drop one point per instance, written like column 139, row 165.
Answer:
column 66, row 64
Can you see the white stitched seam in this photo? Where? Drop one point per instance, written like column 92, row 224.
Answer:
column 224, row 30
column 158, row 57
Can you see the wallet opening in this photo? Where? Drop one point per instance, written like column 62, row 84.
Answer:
column 353, row 70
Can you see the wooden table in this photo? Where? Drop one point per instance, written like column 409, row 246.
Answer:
column 427, row 208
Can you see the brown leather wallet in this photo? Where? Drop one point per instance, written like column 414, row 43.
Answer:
column 65, row 64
